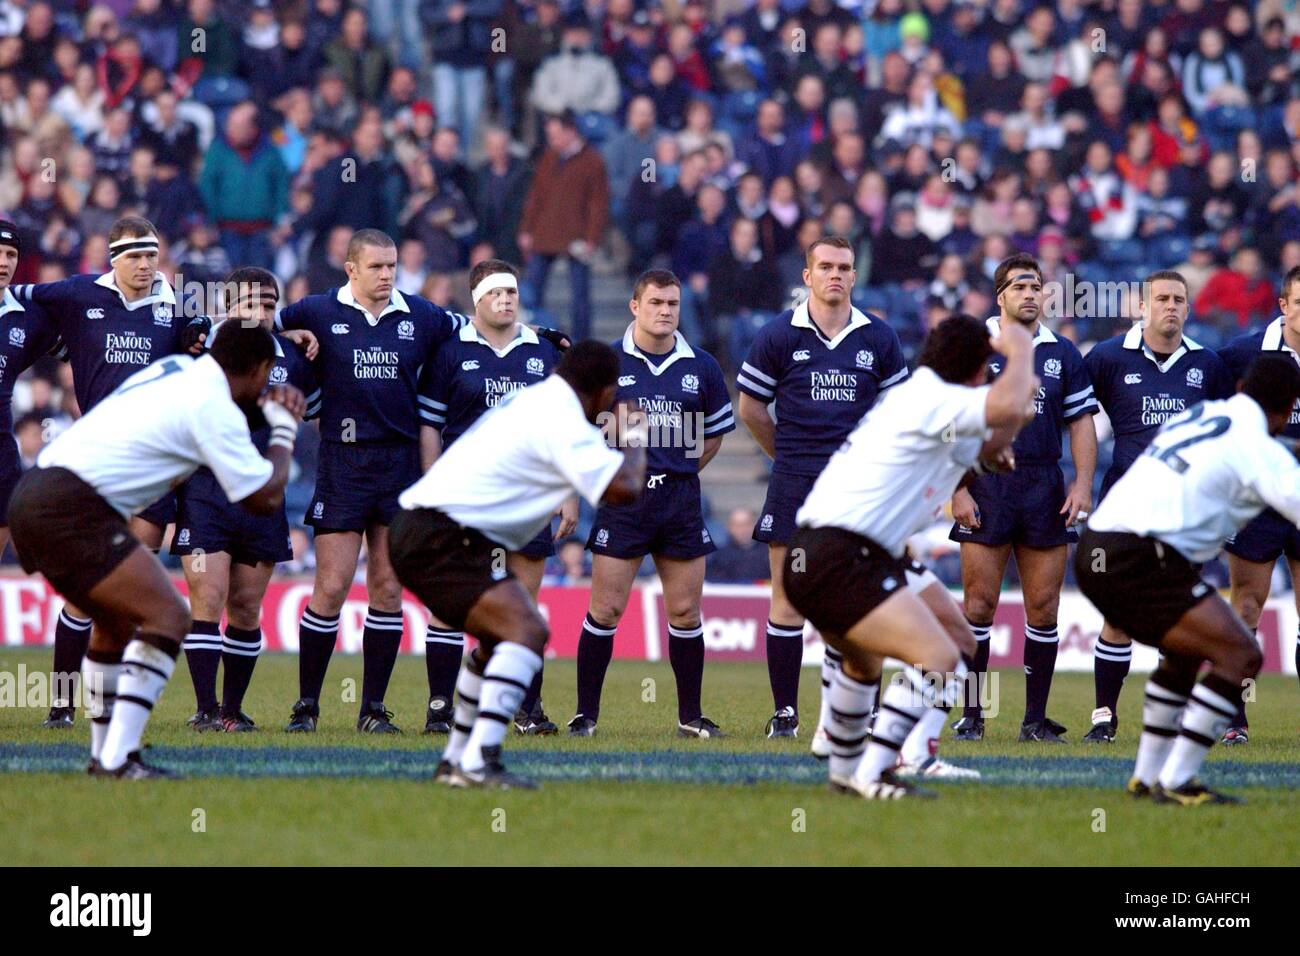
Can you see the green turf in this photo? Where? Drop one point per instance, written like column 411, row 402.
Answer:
column 1036, row 808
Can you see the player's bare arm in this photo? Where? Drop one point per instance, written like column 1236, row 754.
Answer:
column 1083, row 449
column 754, row 414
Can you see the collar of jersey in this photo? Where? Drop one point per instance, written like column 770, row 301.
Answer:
column 161, row 291
column 802, row 320
column 1133, row 340
column 1273, row 341
column 680, row 350
column 525, row 336
column 1044, row 334
column 10, row 304
column 396, row 303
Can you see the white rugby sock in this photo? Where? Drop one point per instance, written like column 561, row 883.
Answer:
column 848, row 705
column 469, row 688
column 1161, row 710
column 1207, row 715
column 145, row 672
column 831, row 662
column 99, row 679
column 900, row 709
column 505, row 681
column 923, row 742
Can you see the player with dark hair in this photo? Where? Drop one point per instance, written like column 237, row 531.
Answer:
column 113, row 325
column 683, row 393
column 1207, row 473
column 1253, row 551
column 488, row 494
column 1142, row 379
column 475, row 371
column 70, row 516
column 229, row 553
column 1029, row 511
column 847, row 568
column 821, row 366
column 374, row 341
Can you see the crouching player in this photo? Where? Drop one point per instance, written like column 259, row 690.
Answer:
column 69, row 516
column 487, row 495
column 1207, row 473
column 228, row 552
column 847, row 569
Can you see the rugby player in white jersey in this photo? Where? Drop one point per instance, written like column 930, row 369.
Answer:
column 847, row 569
column 69, row 516
column 1206, row 474
column 488, row 494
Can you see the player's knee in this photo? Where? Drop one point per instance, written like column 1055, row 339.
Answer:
column 170, row 620
column 535, row 635
column 1251, row 659
column 1249, row 607
column 244, row 614
column 979, row 605
column 606, row 613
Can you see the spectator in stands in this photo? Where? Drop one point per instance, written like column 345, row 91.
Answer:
column 334, row 108
column 359, row 189
column 362, row 63
column 741, row 560
column 198, row 256
column 626, row 154
column 565, row 216
column 206, row 43
column 1238, row 295
column 1213, row 75
column 81, row 103
column 580, row 80
column 500, row 189
column 461, row 35
column 245, row 187
column 174, row 139
column 440, row 217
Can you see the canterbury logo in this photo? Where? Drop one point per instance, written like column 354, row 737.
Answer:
column 625, row 380
column 801, row 355
column 1133, row 378
column 469, row 366
column 94, row 313
column 339, row 328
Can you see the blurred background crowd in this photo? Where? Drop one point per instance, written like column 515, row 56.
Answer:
column 716, row 137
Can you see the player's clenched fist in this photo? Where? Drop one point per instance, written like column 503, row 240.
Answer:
column 283, row 398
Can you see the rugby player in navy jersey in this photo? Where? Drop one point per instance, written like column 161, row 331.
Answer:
column 228, row 552
column 821, row 366
column 1028, row 511
column 373, row 343
column 683, row 394
column 1142, row 379
column 26, row 334
column 113, row 325
column 1253, row 551
column 474, row 371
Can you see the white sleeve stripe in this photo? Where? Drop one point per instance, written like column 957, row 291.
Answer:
column 441, row 406
column 719, row 427
column 1076, row 409
column 895, row 378
column 746, row 367
column 1082, row 393
column 431, row 417
column 724, row 410
column 754, row 387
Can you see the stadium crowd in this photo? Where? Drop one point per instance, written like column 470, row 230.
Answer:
column 717, row 138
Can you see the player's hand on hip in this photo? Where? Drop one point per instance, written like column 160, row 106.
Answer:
column 1077, row 505
column 1002, row 461
column 287, row 397
column 964, row 509
column 305, row 340
column 568, row 513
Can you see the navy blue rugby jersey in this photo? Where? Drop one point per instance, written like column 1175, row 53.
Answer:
column 368, row 367
column 1139, row 393
column 684, row 395
column 821, row 387
column 26, row 333
column 1064, row 393
column 468, row 376
column 1241, row 351
column 107, row 339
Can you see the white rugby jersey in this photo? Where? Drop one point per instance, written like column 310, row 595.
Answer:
column 155, row 430
column 1207, row 473
column 517, row 464
column 893, row 474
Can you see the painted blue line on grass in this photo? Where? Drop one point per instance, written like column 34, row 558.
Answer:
column 648, row 766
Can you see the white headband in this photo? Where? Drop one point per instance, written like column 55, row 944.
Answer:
column 497, row 280
column 131, row 244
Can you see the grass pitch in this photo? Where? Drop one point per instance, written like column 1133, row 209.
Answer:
column 634, row 794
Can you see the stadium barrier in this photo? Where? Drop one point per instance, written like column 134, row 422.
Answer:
column 735, row 617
